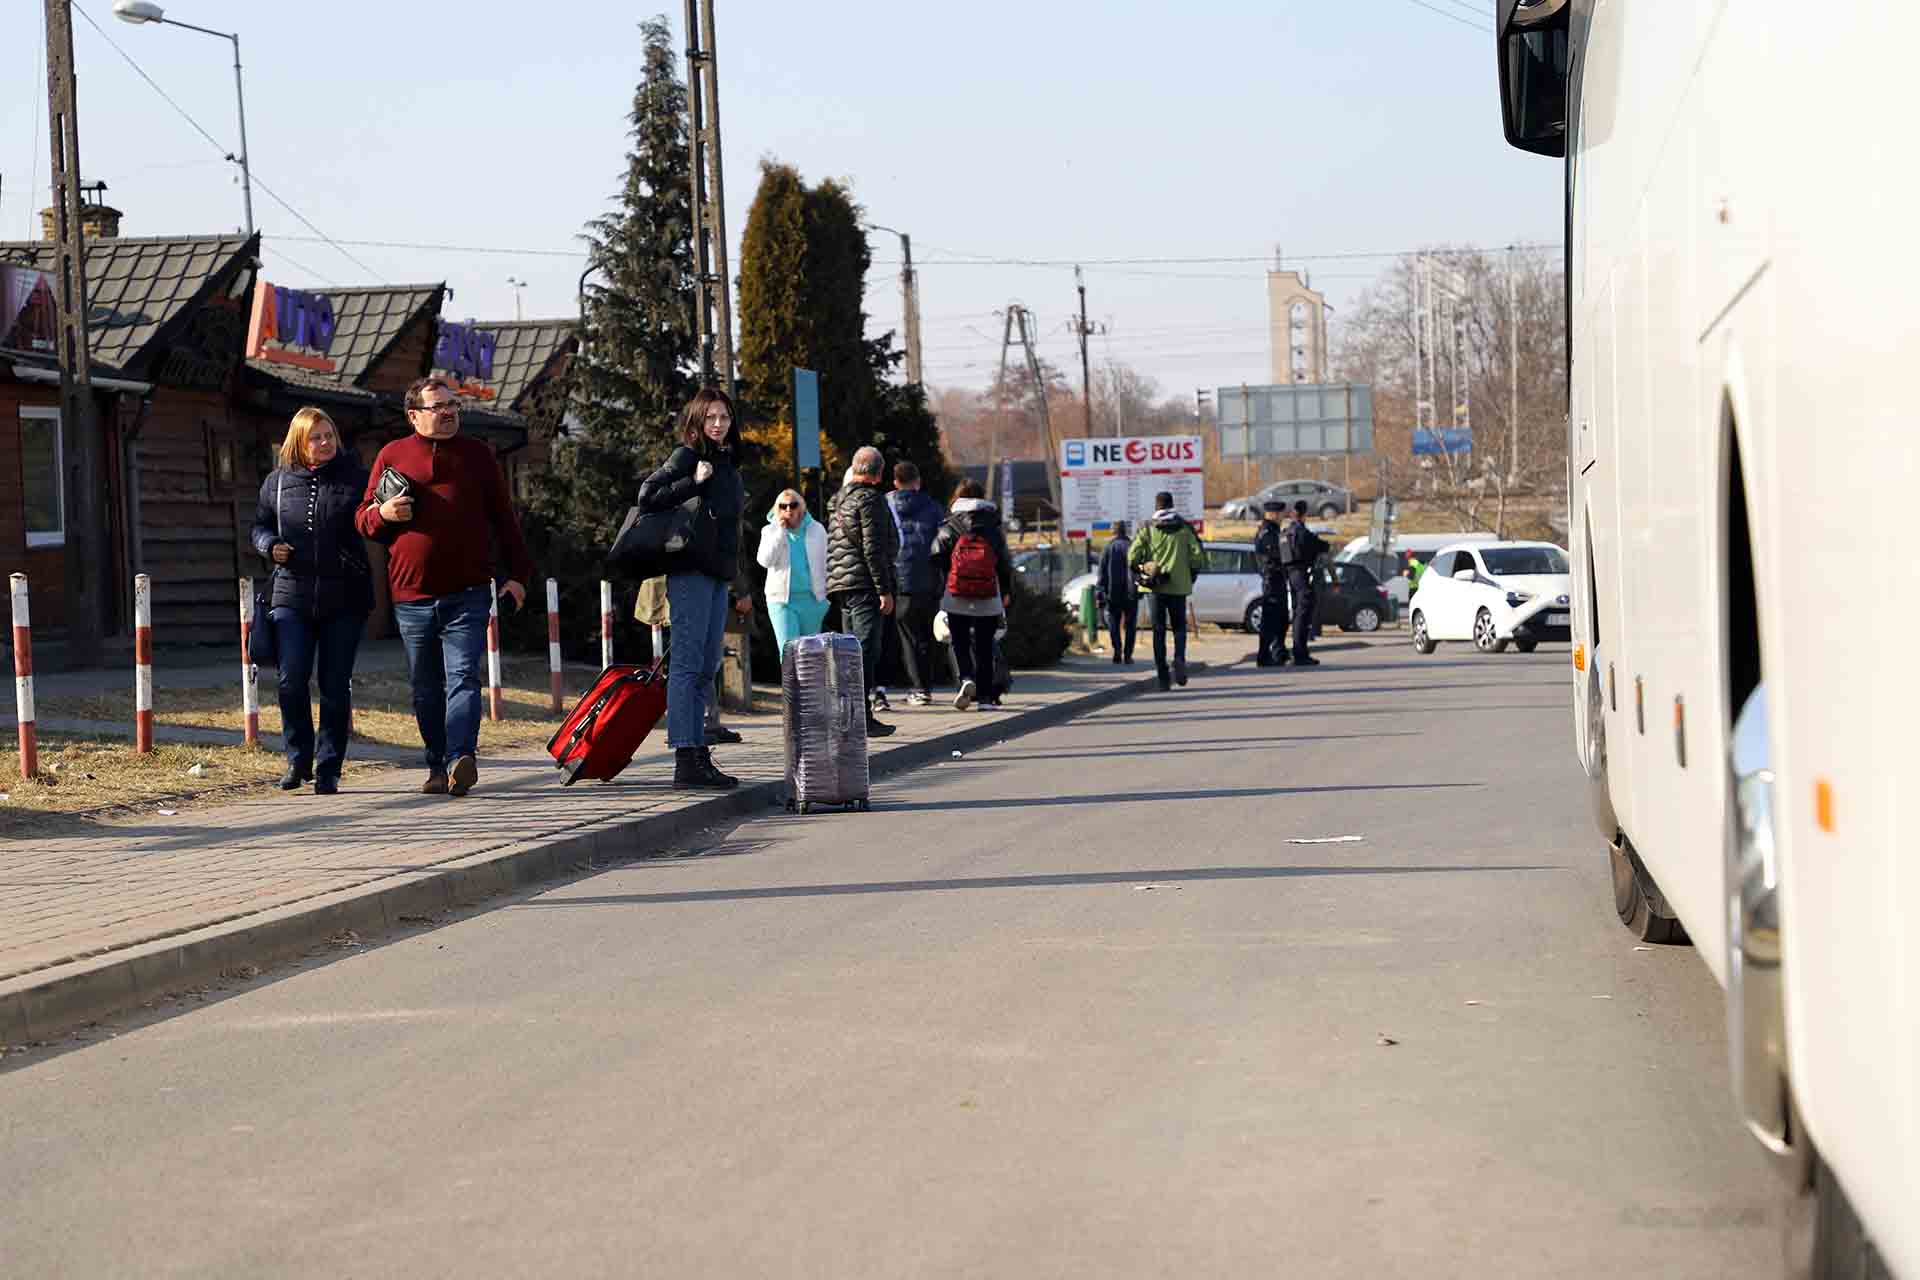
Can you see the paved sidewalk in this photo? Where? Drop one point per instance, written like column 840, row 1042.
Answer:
column 119, row 912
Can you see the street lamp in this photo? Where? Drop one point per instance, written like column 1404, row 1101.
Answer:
column 140, row 12
column 518, row 284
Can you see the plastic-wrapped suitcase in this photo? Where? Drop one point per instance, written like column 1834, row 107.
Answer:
column 608, row 724
column 824, row 697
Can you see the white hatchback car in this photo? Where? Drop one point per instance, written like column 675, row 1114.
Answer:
column 1494, row 594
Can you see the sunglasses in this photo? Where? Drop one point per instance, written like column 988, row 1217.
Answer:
column 787, row 506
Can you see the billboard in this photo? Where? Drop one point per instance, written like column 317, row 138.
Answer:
column 291, row 326
column 1288, row 420
column 1438, row 440
column 1115, row 477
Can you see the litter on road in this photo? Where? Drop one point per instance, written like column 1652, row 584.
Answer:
column 1325, row 839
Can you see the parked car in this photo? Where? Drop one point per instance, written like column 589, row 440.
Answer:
column 1227, row 589
column 1493, row 593
column 1390, row 566
column 1323, row 500
column 1346, row 596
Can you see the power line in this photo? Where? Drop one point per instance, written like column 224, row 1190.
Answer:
column 448, row 248
column 40, row 98
column 1468, row 251
column 296, row 264
column 1465, row 22
column 217, row 145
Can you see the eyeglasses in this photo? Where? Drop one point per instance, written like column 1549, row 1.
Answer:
column 439, row 410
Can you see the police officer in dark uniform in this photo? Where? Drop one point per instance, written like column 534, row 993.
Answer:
column 1267, row 546
column 1301, row 550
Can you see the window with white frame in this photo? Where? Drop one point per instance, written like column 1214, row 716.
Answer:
column 40, row 470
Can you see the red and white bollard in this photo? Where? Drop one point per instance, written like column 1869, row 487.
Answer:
column 493, row 651
column 249, row 671
column 606, row 624
column 142, row 665
column 23, row 678
column 553, row 643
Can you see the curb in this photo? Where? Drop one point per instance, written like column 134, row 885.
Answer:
column 40, row 1006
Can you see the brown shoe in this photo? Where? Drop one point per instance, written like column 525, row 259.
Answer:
column 465, row 773
column 435, row 785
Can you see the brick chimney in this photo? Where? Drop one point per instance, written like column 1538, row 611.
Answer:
column 97, row 222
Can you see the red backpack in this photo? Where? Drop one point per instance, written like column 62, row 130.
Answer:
column 971, row 575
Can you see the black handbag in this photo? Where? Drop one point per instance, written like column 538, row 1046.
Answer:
column 263, row 642
column 392, row 484
column 651, row 543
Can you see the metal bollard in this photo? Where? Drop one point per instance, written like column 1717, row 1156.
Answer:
column 249, row 672
column 606, row 624
column 142, row 665
column 553, row 642
column 23, row 678
column 493, row 651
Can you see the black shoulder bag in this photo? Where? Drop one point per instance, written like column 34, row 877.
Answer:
column 652, row 543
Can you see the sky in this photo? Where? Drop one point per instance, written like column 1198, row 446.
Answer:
column 1048, row 131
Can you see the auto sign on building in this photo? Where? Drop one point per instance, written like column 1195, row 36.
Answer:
column 1115, row 477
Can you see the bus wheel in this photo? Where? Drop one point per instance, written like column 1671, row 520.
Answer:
column 1638, row 900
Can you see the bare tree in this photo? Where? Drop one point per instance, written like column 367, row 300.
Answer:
column 1509, row 355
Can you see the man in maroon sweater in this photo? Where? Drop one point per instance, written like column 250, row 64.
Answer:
column 439, row 541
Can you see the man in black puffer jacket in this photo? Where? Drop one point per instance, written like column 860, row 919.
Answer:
column 862, row 546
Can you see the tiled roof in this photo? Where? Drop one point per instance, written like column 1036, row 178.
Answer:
column 522, row 350
column 366, row 322
column 294, row 376
column 136, row 284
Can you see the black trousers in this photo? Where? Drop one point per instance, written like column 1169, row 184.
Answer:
column 973, row 652
column 1300, row 584
column 1273, row 626
column 860, row 615
column 913, row 625
column 1169, row 610
column 1122, row 621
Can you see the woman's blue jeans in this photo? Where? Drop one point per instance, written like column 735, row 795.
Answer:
column 698, row 606
column 333, row 642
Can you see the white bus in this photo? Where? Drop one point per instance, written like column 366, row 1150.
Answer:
column 1741, row 318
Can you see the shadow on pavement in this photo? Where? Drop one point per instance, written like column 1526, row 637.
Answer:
column 1162, row 876
column 1174, row 715
column 1163, row 797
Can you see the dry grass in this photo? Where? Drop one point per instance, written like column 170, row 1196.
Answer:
column 383, row 707
column 92, row 775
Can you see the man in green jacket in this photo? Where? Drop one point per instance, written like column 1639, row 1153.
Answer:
column 1165, row 557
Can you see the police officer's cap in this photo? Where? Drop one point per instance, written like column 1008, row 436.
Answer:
column 1301, row 506
column 1273, row 506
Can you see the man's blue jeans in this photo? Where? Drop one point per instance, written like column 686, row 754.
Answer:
column 446, row 642
column 698, row 606
column 334, row 641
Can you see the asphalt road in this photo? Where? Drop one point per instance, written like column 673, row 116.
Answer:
column 1073, row 1005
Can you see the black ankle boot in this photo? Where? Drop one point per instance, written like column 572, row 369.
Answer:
column 686, row 766
column 715, row 778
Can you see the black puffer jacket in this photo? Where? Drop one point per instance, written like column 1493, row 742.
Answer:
column 973, row 515
column 722, row 497
column 862, row 544
column 312, row 510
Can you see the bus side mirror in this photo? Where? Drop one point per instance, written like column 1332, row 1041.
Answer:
column 1532, row 52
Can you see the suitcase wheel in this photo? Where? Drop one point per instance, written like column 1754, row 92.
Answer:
column 862, row 806
column 806, row 806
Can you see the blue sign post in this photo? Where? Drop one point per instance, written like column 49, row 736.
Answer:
column 806, row 420
column 1438, row 440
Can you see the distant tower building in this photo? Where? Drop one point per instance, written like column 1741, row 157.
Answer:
column 1298, row 316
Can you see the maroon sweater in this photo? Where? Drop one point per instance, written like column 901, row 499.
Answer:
column 460, row 506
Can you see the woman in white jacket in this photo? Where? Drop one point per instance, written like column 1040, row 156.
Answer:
column 793, row 550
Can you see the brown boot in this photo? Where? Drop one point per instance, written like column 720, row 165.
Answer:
column 466, row 772
column 436, row 783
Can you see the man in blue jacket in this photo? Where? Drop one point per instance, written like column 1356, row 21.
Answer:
column 1119, row 598
column 918, row 517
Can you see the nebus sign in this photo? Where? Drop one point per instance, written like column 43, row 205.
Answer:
column 298, row 325
column 1106, row 479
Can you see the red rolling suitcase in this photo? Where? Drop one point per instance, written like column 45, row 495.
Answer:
column 608, row 724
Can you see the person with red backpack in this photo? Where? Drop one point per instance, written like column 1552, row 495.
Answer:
column 971, row 559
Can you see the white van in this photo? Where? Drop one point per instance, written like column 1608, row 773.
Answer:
column 1390, row 566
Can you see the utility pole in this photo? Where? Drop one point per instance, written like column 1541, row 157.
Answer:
column 1024, row 318
column 1513, row 364
column 81, row 482
column 1081, row 329
column 999, row 413
column 909, row 303
column 713, row 308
